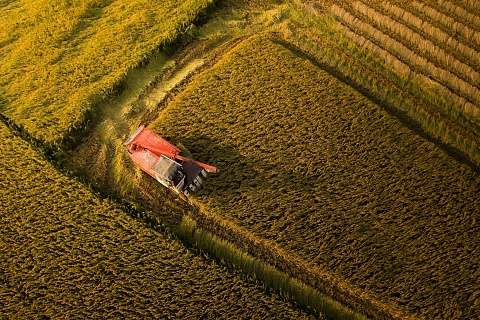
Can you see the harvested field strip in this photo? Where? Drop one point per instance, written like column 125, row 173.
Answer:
column 377, row 81
column 423, row 47
column 460, row 13
column 401, row 68
column 59, row 60
column 68, row 254
column 334, row 181
column 409, row 57
column 450, row 24
column 406, row 72
column 462, row 52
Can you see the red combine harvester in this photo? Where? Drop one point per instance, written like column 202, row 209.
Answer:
column 163, row 161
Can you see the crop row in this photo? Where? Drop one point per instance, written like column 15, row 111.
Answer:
column 462, row 52
column 460, row 13
column 329, row 178
column 66, row 253
column 448, row 23
column 423, row 47
column 59, row 60
column 408, row 56
column 405, row 71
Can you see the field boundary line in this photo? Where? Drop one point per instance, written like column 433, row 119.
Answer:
column 402, row 115
column 409, row 57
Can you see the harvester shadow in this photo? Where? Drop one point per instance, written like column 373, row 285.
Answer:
column 247, row 179
column 235, row 170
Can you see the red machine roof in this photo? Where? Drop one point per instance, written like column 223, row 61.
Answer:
column 145, row 138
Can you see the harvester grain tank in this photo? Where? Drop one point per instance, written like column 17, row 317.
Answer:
column 162, row 160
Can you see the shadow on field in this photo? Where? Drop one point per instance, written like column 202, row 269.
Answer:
column 247, row 182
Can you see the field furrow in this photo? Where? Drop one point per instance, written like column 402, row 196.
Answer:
column 409, row 57
column 460, row 13
column 405, row 71
column 451, row 27
column 401, row 32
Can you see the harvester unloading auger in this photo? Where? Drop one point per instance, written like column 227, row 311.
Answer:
column 162, row 160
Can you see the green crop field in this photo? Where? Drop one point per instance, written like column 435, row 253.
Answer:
column 60, row 58
column 68, row 254
column 321, row 172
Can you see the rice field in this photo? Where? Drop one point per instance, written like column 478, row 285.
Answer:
column 68, row 254
column 346, row 134
column 421, row 54
column 61, row 58
column 328, row 178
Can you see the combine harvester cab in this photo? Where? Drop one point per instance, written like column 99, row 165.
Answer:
column 162, row 160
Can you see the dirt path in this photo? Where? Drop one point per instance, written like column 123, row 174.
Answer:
column 101, row 156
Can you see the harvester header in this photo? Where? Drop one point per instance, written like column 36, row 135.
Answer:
column 162, row 160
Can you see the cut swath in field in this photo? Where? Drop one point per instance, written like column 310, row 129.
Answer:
column 313, row 167
column 426, row 51
column 453, row 27
column 405, row 71
column 416, row 62
column 460, row 13
column 430, row 41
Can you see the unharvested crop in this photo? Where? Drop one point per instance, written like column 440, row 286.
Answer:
column 329, row 178
column 68, row 254
column 59, row 58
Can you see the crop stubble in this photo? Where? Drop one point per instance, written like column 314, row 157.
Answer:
column 315, row 167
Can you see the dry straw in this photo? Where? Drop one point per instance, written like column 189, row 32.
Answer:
column 418, row 43
column 460, row 13
column 405, row 71
column 449, row 23
column 408, row 56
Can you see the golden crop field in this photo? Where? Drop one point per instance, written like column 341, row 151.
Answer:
column 347, row 134
column 316, row 169
column 60, row 58
column 433, row 43
column 68, row 254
